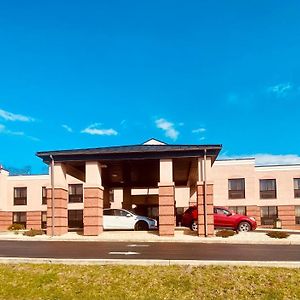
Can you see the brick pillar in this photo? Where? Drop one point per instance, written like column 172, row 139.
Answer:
column 34, row 220
column 166, row 202
column 286, row 213
column 5, row 220
column 209, row 209
column 93, row 211
column 254, row 211
column 60, row 211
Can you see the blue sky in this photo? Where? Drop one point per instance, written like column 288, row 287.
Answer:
column 79, row 74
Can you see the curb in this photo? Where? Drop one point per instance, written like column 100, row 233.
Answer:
column 151, row 262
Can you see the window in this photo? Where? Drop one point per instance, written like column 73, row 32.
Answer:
column 269, row 214
column 20, row 196
column 75, row 219
column 75, row 193
column 297, row 214
column 44, row 195
column 108, row 212
column 236, row 188
column 19, row 218
column 297, row 187
column 44, row 220
column 221, row 211
column 240, row 210
column 267, row 188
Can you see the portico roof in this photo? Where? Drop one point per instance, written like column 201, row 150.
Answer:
column 131, row 152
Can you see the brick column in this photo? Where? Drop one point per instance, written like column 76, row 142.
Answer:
column 93, row 211
column 60, row 211
column 34, row 220
column 5, row 220
column 286, row 213
column 209, row 209
column 254, row 211
column 166, row 202
column 93, row 199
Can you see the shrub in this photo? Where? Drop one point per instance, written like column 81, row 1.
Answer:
column 225, row 233
column 16, row 226
column 278, row 234
column 33, row 232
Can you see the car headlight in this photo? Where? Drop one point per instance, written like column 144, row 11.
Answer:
column 252, row 218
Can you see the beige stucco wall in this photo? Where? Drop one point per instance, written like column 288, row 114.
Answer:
column 218, row 175
column 34, row 186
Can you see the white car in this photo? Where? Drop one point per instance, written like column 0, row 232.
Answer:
column 124, row 219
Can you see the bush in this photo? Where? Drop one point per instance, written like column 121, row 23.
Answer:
column 225, row 233
column 33, row 232
column 16, row 226
column 278, row 234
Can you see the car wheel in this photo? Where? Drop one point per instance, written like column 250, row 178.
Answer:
column 244, row 226
column 141, row 225
column 194, row 226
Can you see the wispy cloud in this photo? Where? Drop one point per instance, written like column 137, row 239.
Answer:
column 264, row 159
column 66, row 127
column 9, row 116
column 199, row 130
column 4, row 130
column 168, row 128
column 280, row 90
column 94, row 129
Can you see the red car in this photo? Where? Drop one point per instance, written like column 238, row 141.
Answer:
column 223, row 218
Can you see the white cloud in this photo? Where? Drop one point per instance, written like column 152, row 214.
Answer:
column 68, row 128
column 262, row 159
column 4, row 130
column 94, row 129
column 280, row 90
column 202, row 138
column 199, row 130
column 8, row 116
column 168, row 128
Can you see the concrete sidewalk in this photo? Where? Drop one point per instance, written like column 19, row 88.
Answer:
column 181, row 235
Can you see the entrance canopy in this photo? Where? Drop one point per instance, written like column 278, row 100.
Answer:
column 136, row 165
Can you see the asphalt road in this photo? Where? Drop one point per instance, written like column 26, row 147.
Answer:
column 164, row 251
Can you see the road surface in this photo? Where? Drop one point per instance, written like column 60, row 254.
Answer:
column 148, row 251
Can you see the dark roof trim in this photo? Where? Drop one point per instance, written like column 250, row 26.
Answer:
column 132, row 152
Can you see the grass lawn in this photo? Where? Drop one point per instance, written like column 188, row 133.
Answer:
column 26, row 281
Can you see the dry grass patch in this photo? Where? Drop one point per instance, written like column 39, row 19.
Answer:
column 153, row 282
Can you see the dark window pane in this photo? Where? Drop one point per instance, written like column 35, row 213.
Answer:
column 75, row 219
column 297, row 187
column 236, row 188
column 75, row 193
column 20, row 218
column 20, row 196
column 269, row 214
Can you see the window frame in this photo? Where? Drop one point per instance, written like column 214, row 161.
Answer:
column 296, row 190
column 268, row 193
column 76, row 223
column 75, row 197
column 18, row 215
column 236, row 193
column 268, row 219
column 20, row 200
column 44, row 195
column 297, row 215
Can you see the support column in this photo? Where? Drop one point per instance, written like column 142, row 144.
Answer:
column 6, row 219
column 209, row 209
column 60, row 207
column 93, row 200
column 286, row 213
column 127, row 198
column 166, row 199
column 34, row 220
column 205, row 202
